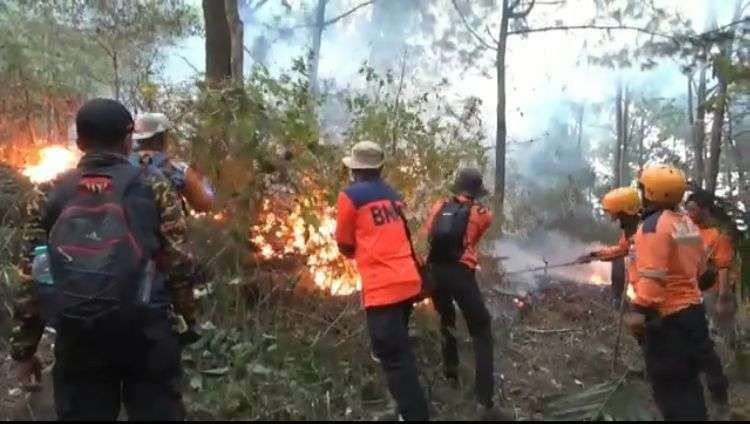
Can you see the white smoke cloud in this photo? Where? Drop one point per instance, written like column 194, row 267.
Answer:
column 554, row 247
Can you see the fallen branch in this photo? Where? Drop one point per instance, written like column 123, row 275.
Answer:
column 550, row 331
column 505, row 293
column 320, row 335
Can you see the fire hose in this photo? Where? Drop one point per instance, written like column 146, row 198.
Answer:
column 545, row 267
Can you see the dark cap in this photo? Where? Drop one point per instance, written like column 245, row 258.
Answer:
column 103, row 122
column 469, row 180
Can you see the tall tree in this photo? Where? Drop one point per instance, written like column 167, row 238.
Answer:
column 218, row 42
column 699, row 131
column 319, row 24
column 236, row 38
column 513, row 21
column 619, row 124
column 723, row 57
column 132, row 35
column 622, row 137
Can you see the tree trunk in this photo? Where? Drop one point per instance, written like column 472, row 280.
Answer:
column 720, row 109
column 626, row 133
column 116, row 70
column 641, row 139
column 218, row 42
column 501, row 126
column 735, row 152
column 690, row 124
column 579, row 131
column 716, row 131
column 619, row 125
column 236, row 39
column 319, row 26
column 699, row 132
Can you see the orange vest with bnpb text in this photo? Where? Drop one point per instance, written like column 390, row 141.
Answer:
column 369, row 223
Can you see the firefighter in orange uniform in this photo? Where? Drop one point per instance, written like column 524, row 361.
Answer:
column 370, row 229
column 667, row 310
column 624, row 205
column 717, row 291
column 454, row 227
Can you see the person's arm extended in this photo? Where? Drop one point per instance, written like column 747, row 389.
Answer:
column 607, row 254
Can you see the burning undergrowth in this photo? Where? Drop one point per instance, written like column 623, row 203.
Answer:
column 523, row 261
column 303, row 226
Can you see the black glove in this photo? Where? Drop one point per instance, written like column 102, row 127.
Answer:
column 708, row 278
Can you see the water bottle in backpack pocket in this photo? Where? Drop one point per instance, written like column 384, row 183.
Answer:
column 449, row 231
column 40, row 267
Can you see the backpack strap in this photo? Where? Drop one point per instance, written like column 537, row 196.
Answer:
column 400, row 213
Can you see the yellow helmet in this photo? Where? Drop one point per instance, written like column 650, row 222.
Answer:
column 622, row 200
column 663, row 184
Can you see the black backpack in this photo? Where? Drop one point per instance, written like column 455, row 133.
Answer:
column 448, row 232
column 98, row 259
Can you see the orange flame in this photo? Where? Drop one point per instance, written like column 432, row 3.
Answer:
column 280, row 234
column 52, row 161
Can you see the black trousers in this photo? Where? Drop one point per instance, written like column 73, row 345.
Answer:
column 389, row 334
column 94, row 374
column 456, row 282
column 676, row 350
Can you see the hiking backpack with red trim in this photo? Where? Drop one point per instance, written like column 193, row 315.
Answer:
column 97, row 257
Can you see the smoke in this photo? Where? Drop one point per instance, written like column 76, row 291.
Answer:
column 552, row 247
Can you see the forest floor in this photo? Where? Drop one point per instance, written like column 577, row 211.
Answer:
column 561, row 342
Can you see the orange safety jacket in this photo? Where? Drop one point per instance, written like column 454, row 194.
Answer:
column 623, row 249
column 669, row 257
column 718, row 249
column 610, row 253
column 370, row 229
column 480, row 219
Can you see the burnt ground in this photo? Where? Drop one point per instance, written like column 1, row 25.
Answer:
column 562, row 342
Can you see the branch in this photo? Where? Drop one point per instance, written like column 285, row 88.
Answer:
column 596, row 27
column 349, row 12
column 521, row 15
column 471, row 30
column 492, row 37
column 514, row 5
column 542, row 331
column 190, row 65
column 396, row 103
column 258, row 6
